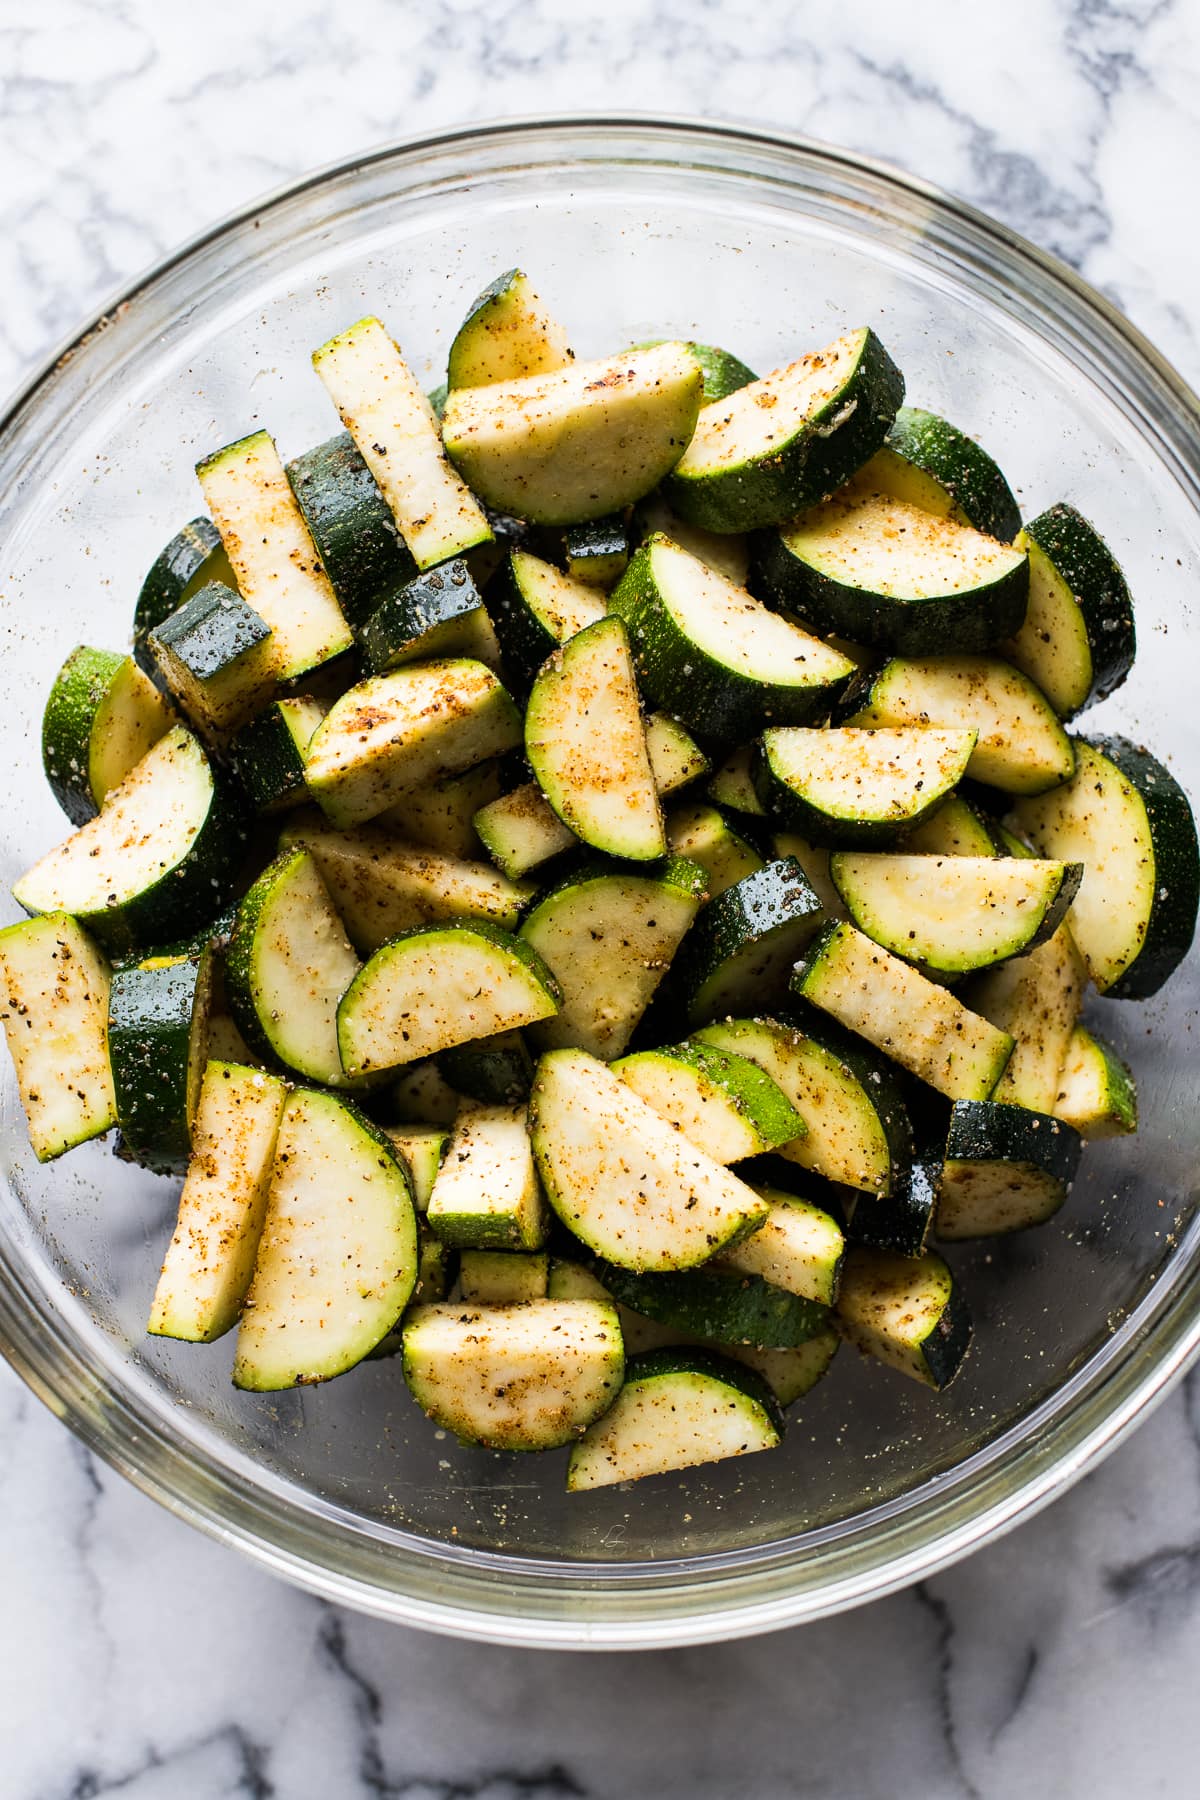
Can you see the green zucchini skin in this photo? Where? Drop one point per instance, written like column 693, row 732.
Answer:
column 496, row 1071
column 1099, row 594
column 726, row 1305
column 597, row 552
column 687, row 1359
column 1036, row 1155
column 773, row 911
column 215, row 638
column 193, row 554
column 901, row 1220
column 269, row 761
column 364, row 555
column 436, row 601
column 73, row 724
column 977, row 490
column 157, row 1023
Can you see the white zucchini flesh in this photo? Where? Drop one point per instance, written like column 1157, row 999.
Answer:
column 272, row 554
column 895, row 1308
column 890, row 547
column 404, row 729
column 854, row 775
column 437, row 987
column 675, row 757
column 502, row 1277
column 422, row 1095
column 580, row 442
column 421, row 1149
column 733, row 784
column 130, row 720
column 385, row 411
column 527, row 1377
column 954, row 829
column 337, row 1259
column 564, row 605
column 700, row 833
column 979, row 1199
column 1096, row 1093
column 673, row 1420
column 798, row 1247
column 1037, row 999
column 508, row 332
column 586, row 744
column 749, row 423
column 210, row 1259
column 54, row 1007
column 729, row 1108
column 727, row 552
column 625, row 1181
column 486, row 1194
column 913, row 1020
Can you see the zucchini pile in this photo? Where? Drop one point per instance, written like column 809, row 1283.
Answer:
column 587, row 877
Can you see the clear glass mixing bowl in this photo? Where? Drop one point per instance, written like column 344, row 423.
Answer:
column 632, row 229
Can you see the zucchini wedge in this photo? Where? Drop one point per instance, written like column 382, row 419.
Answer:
column 885, row 573
column 217, row 657
column 677, row 1410
column 625, row 1182
column 271, row 551
column 798, row 1247
column 441, row 815
column 952, row 914
column 586, row 744
column 437, row 986
column 1037, row 1000
column 1096, row 1093
column 156, row 862
column 194, row 557
column 502, row 1277
column 1127, row 820
column 526, row 1377
column 268, row 755
column 703, row 835
column 337, row 1259
column 498, row 1071
column 719, row 1303
column 857, row 787
column 1078, row 641
column 721, row 372
column 907, row 1312
column 352, row 526
column 101, row 717
column 780, row 444
column 930, row 463
column 732, row 787
column 955, row 829
column 610, row 934
column 486, row 1194
column 421, row 1095
column 534, row 608
column 421, row 1149
column 1021, row 747
column 394, row 732
column 579, row 443
column 728, row 552
column 54, row 986
column 158, row 1014
column 744, row 944
column 210, row 1259
column 597, row 552
column 915, row 1022
column 506, row 334
column 814, row 860
column 438, row 613
column 721, row 1102
column 396, row 431
column 713, row 656
column 1005, row 1169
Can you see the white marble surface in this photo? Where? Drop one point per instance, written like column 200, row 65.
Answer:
column 139, row 1659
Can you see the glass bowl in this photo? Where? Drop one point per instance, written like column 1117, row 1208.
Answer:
column 632, row 229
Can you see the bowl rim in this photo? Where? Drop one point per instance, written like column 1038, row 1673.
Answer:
column 1111, row 1394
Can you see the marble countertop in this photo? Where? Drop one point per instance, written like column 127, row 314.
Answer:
column 139, row 1659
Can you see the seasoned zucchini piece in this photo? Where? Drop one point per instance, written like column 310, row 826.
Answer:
column 526, row 1377
column 625, row 1182
column 438, row 613
column 102, row 716
column 337, row 1259
column 955, row 829
column 720, row 1303
column 502, row 1277
column 54, row 986
column 217, row 657
column 930, row 463
column 497, row 1071
column 677, row 1409
column 210, row 1258
column 722, row 1102
column 798, row 1247
column 901, row 1220
column 597, row 552
column 535, row 608
column 732, row 787
column 814, row 860
column 421, row 1149
column 912, row 1020
column 702, row 834
column 440, row 815
column 778, row 445
column 743, row 946
column 721, row 372
column 352, row 526
column 1095, row 1089
column 1127, row 820
column 851, row 786
column 194, row 557
column 1078, row 640
column 728, row 552
column 268, row 754
column 158, row 1015
column 676, row 759
column 907, row 1312
column 421, row 1095
column 506, row 334
column 1005, row 1169
column 486, row 1194
column 580, row 442
column 1036, row 999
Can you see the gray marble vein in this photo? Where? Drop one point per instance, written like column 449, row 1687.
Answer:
column 138, row 1659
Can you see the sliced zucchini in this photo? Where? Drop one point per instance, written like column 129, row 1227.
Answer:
column 814, row 860
column 719, row 1303
column 502, row 1277
column 1005, row 1169
column 210, row 1259
column 1125, row 817
column 497, row 1071
column 722, row 1102
column 382, row 886
column 352, row 526
column 677, row 1409
column 157, row 861
column 193, row 557
column 102, row 716
column 676, row 759
column 289, row 963
column 721, row 372
column 421, row 1149
column 396, row 432
column 901, row 1220
column 955, row 828
column 625, row 1182
column 586, row 744
column 798, row 1247
column 268, row 755
column 535, row 608
column 395, row 732
column 1096, row 1093
column 597, row 552
column 526, row 1377
column 728, row 552
column 486, row 1194
column 217, row 657
column 851, row 786
column 732, row 787
column 778, row 445
column 271, row 551
column 580, row 442
column 743, row 946
column 422, row 1096
column 1021, row 747
column 930, row 463
column 438, row 613
column 337, row 1259
column 1036, row 999
column 437, row 986
column 907, row 1312
column 914, row 1021
column 610, row 935
column 158, row 1015
column 440, row 815
column 1078, row 641
column 506, row 334
column 886, row 573
column 951, row 914
column 54, row 986
column 702, row 834
column 713, row 656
